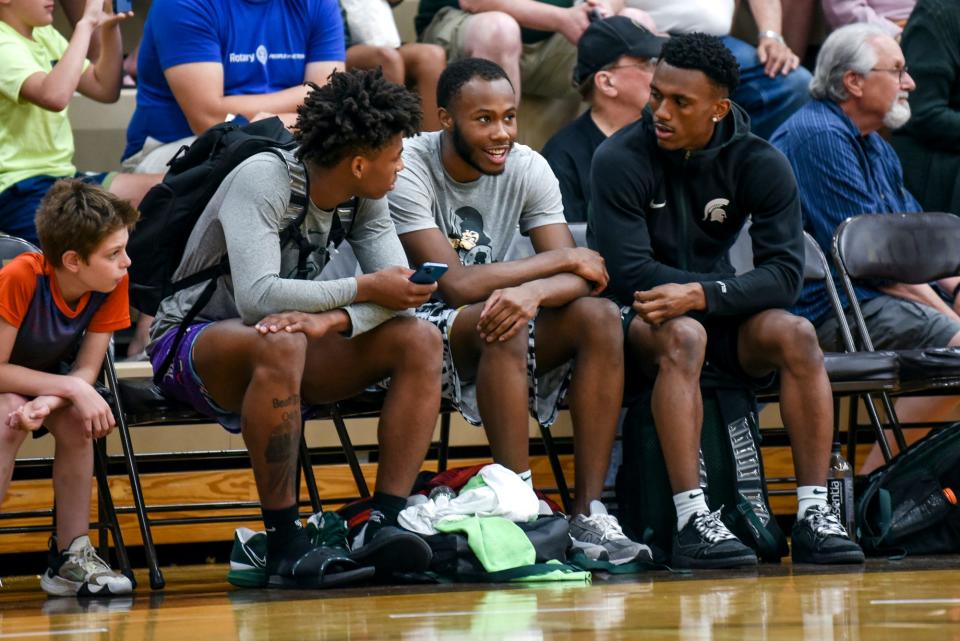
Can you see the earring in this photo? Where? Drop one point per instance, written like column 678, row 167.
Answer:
column 716, row 119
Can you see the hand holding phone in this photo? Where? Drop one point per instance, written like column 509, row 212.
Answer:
column 428, row 273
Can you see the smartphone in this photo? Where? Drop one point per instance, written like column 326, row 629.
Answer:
column 428, row 273
column 122, row 6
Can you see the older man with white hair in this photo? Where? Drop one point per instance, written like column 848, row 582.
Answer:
column 845, row 168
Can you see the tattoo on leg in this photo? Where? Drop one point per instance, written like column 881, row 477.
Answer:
column 286, row 402
column 283, row 440
column 280, row 453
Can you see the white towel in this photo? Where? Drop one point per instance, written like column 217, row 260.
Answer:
column 504, row 494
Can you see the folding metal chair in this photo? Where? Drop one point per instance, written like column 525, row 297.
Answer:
column 853, row 374
column 10, row 248
column 912, row 248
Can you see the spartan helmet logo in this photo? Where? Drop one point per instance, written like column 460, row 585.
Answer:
column 714, row 211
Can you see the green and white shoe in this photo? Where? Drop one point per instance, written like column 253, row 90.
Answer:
column 248, row 559
column 327, row 529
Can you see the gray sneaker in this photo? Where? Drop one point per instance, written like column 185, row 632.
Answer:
column 79, row 571
column 601, row 538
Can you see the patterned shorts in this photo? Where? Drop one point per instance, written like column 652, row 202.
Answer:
column 546, row 389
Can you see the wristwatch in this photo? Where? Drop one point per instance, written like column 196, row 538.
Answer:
column 772, row 35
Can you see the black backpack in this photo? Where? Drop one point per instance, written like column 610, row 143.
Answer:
column 731, row 471
column 904, row 507
column 170, row 210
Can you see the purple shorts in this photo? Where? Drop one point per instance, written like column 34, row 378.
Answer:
column 182, row 383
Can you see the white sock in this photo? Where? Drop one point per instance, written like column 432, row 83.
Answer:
column 689, row 503
column 527, row 477
column 808, row 496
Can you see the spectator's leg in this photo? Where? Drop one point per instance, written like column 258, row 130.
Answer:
column 409, row 352
column 133, row 187
column 500, row 372
column 797, row 21
column 775, row 340
column 495, row 35
column 72, row 474
column 10, row 440
column 914, row 409
column 639, row 16
column 587, row 330
column 424, row 65
column 674, row 354
column 769, row 101
column 370, row 57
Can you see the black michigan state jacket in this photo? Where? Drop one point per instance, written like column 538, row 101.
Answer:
column 662, row 217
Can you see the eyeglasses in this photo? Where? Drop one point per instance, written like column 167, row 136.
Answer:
column 901, row 72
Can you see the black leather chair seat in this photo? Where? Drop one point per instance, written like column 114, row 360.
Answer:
column 929, row 364
column 862, row 366
column 145, row 404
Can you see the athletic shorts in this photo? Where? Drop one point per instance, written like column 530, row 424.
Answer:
column 894, row 323
column 546, row 67
column 19, row 202
column 722, row 354
column 546, row 390
column 182, row 383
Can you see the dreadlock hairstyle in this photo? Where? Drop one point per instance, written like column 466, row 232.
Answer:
column 704, row 53
column 461, row 72
column 356, row 111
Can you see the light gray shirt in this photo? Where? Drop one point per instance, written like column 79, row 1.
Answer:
column 481, row 217
column 244, row 219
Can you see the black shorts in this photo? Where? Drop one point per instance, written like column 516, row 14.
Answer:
column 721, row 361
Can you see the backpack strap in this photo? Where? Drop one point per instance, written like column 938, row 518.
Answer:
column 297, row 212
column 212, row 276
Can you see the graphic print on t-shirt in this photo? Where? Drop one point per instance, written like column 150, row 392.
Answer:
column 472, row 244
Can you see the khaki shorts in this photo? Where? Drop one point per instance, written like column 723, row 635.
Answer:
column 154, row 156
column 546, row 67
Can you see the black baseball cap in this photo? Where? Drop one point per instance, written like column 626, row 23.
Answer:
column 606, row 40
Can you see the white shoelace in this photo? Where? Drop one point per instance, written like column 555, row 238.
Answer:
column 710, row 527
column 90, row 561
column 610, row 529
column 824, row 521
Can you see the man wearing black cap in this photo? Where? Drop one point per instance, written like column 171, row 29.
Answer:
column 615, row 59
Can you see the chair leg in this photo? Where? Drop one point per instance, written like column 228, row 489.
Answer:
column 562, row 488
column 852, row 432
column 878, row 428
column 894, row 421
column 350, row 453
column 308, row 475
column 157, row 581
column 443, row 449
column 108, row 512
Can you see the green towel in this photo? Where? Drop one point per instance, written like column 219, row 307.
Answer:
column 497, row 543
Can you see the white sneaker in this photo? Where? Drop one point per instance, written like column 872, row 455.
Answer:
column 601, row 538
column 78, row 570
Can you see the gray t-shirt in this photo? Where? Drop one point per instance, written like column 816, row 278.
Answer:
column 244, row 219
column 481, row 217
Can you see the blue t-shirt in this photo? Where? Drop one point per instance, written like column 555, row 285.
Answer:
column 263, row 45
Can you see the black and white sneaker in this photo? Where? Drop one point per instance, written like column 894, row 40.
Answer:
column 388, row 548
column 819, row 537
column 705, row 542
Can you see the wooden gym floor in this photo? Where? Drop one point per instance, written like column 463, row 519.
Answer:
column 916, row 599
